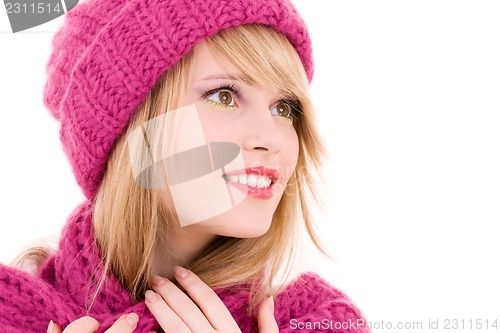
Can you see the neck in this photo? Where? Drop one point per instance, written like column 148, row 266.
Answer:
column 181, row 247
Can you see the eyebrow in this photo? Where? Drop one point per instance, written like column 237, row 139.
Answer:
column 243, row 78
column 232, row 77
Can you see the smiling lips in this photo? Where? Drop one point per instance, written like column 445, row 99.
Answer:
column 256, row 181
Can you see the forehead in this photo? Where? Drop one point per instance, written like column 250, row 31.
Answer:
column 206, row 65
column 251, row 61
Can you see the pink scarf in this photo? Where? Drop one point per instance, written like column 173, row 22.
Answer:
column 67, row 280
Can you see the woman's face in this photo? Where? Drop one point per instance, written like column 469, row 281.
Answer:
column 249, row 142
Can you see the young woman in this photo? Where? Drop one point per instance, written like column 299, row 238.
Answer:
column 191, row 132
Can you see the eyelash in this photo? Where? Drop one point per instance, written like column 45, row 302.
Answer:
column 230, row 87
column 294, row 104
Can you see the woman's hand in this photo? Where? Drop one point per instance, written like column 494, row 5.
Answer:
column 176, row 312
column 124, row 324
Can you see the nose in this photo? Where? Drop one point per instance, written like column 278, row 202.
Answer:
column 261, row 131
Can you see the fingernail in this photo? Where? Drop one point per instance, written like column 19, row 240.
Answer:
column 181, row 272
column 132, row 319
column 271, row 305
column 158, row 280
column 50, row 329
column 151, row 296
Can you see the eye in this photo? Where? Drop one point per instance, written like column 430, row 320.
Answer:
column 222, row 97
column 283, row 109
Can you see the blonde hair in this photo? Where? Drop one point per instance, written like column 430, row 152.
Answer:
column 130, row 221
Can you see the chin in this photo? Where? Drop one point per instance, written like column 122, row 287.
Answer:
column 253, row 232
column 243, row 227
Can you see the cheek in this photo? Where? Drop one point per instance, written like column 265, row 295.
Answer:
column 291, row 152
column 218, row 127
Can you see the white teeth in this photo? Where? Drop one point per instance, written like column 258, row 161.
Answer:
column 251, row 180
column 262, row 182
column 268, row 182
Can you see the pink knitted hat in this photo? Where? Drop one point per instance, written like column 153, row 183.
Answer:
column 110, row 53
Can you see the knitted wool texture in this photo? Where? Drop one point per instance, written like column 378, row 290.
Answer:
column 110, row 53
column 64, row 284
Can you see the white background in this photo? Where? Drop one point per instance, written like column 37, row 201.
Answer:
column 408, row 97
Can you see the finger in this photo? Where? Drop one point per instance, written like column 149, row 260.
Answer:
column 214, row 309
column 83, row 325
column 166, row 317
column 125, row 324
column 266, row 321
column 182, row 305
column 54, row 328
